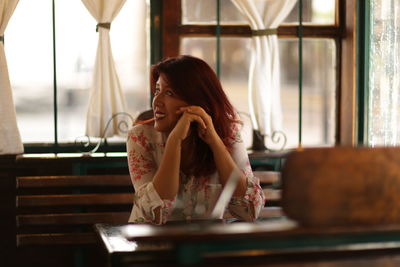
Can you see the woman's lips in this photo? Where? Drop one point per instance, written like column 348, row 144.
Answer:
column 159, row 115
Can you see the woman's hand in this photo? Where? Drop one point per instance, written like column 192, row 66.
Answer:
column 206, row 130
column 181, row 129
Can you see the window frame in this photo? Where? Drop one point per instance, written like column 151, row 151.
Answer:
column 166, row 30
column 173, row 30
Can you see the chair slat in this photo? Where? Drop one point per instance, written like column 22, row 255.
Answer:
column 267, row 177
column 270, row 212
column 56, row 239
column 73, row 181
column 72, row 200
column 272, row 194
column 72, row 218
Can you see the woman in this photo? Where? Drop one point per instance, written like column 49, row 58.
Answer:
column 180, row 161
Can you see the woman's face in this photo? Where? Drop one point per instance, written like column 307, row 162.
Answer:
column 165, row 104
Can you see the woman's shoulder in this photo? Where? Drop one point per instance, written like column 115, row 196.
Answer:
column 141, row 129
column 235, row 132
column 143, row 132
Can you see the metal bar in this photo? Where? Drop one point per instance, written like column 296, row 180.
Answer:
column 156, row 31
column 218, row 37
column 33, row 148
column 363, row 45
column 300, row 51
column 55, row 80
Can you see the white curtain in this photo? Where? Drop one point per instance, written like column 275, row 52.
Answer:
column 264, row 73
column 10, row 139
column 106, row 97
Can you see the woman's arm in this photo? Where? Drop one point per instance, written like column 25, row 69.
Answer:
column 246, row 208
column 223, row 160
column 148, row 207
column 248, row 198
column 166, row 179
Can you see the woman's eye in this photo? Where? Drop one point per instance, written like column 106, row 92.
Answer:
column 169, row 93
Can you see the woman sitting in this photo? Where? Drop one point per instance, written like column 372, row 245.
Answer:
column 181, row 159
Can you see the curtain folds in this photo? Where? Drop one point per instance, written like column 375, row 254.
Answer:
column 106, row 96
column 10, row 139
column 264, row 74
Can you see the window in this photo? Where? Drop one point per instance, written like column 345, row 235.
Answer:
column 29, row 50
column 188, row 26
column 191, row 28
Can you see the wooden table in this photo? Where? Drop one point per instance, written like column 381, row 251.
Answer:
column 273, row 243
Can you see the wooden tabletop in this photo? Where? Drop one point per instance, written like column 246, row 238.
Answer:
column 193, row 243
column 282, row 229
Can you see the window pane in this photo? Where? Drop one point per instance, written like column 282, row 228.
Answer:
column 318, row 84
column 319, row 97
column 204, row 12
column 28, row 46
column 384, row 82
column 314, row 12
column 235, row 62
column 76, row 46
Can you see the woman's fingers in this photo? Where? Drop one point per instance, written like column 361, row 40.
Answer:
column 197, row 111
column 193, row 109
column 202, row 132
column 196, row 118
column 207, row 131
column 181, row 129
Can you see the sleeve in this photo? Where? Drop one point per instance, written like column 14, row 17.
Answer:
column 246, row 208
column 148, row 207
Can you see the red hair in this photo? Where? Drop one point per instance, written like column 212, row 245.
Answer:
column 194, row 81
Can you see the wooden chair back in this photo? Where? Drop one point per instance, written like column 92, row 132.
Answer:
column 342, row 186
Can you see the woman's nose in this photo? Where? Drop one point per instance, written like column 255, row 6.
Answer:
column 157, row 100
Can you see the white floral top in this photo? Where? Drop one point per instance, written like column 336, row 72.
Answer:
column 196, row 196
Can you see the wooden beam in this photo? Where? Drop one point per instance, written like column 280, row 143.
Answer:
column 245, row 31
column 348, row 97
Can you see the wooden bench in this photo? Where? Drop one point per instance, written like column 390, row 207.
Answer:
column 62, row 209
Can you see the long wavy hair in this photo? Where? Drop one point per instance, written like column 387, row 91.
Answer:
column 194, row 81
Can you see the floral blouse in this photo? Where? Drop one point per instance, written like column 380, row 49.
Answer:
column 196, row 195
